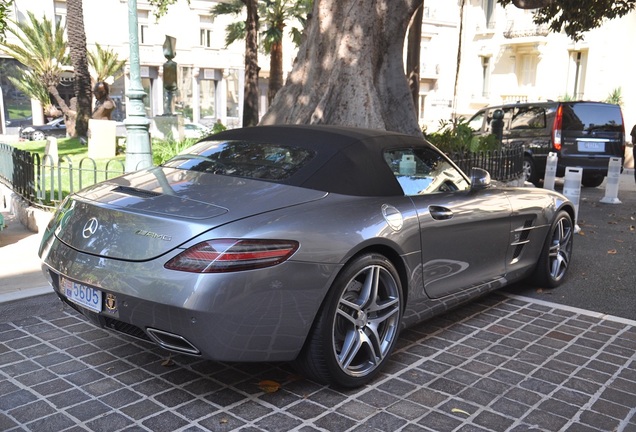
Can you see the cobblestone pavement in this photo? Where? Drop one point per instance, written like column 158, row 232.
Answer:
column 499, row 364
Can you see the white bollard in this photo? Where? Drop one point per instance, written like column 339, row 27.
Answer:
column 613, row 177
column 51, row 150
column 550, row 171
column 572, row 190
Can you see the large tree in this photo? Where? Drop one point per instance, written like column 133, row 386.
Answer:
column 82, row 81
column 350, row 68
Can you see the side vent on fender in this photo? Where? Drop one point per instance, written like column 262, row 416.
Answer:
column 521, row 235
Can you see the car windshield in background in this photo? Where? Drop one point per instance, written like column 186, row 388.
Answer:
column 255, row 160
column 592, row 117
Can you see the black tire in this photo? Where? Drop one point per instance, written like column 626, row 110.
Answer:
column 363, row 308
column 530, row 170
column 592, row 180
column 554, row 261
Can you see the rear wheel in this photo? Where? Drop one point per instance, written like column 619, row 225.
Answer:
column 357, row 326
column 555, row 257
column 592, row 180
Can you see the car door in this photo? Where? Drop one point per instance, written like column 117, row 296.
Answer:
column 464, row 234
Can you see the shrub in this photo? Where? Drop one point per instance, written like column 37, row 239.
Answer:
column 455, row 136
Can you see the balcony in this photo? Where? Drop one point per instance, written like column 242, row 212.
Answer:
column 525, row 30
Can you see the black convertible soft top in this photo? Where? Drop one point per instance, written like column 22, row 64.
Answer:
column 348, row 160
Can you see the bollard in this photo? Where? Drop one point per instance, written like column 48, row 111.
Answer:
column 613, row 177
column 572, row 190
column 51, row 150
column 550, row 171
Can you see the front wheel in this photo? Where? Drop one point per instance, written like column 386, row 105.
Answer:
column 357, row 326
column 555, row 257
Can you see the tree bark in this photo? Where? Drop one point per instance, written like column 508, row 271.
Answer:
column 414, row 43
column 250, row 97
column 77, row 50
column 275, row 70
column 350, row 68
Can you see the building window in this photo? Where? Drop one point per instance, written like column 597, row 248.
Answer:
column 206, row 38
column 485, row 76
column 578, row 60
column 142, row 21
column 528, row 70
column 489, row 11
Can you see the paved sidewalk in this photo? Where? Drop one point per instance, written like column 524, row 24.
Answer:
column 21, row 275
column 500, row 364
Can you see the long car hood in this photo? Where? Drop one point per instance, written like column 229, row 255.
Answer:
column 145, row 214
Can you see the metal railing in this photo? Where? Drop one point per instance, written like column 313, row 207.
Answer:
column 504, row 165
column 44, row 182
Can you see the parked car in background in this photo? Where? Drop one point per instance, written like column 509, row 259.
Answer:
column 312, row 244
column 582, row 134
column 55, row 128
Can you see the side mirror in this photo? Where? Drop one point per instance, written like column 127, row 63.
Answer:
column 531, row 4
column 479, row 179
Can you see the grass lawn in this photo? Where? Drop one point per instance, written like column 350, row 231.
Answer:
column 75, row 170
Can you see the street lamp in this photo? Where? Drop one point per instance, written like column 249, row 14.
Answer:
column 138, row 154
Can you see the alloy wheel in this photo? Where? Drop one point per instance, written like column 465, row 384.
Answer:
column 366, row 321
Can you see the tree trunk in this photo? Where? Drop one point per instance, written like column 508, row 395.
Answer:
column 250, row 97
column 350, row 68
column 414, row 43
column 275, row 70
column 77, row 49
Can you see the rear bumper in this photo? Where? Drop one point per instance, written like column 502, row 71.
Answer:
column 261, row 315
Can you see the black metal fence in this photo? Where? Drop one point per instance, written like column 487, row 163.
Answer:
column 504, row 165
column 45, row 182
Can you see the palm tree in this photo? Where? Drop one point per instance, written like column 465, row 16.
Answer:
column 105, row 65
column 41, row 49
column 275, row 15
column 82, row 82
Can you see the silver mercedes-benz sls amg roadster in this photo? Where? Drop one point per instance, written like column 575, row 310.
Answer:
column 311, row 244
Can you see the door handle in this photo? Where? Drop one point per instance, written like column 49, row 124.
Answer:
column 440, row 213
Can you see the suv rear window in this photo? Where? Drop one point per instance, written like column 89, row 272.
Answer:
column 592, row 117
column 248, row 159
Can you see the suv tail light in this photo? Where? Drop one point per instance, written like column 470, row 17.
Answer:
column 229, row 255
column 556, row 128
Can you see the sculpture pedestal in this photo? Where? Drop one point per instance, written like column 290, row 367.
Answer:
column 102, row 142
column 167, row 127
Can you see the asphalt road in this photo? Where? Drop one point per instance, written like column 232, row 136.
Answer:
column 602, row 276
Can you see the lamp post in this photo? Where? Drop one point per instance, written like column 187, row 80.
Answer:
column 138, row 154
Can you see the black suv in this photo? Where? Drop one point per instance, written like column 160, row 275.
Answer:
column 583, row 134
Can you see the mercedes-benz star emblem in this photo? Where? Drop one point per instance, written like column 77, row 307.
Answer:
column 90, row 227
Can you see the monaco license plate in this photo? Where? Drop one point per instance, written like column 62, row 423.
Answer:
column 89, row 297
column 591, row 146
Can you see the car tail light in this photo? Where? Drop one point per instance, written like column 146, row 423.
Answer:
column 556, row 128
column 229, row 255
